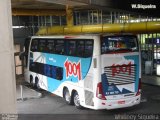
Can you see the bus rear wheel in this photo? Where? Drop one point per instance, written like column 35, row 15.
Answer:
column 76, row 100
column 67, row 97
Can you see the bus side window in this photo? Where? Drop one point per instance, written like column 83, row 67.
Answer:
column 47, row 70
column 71, row 48
column 34, row 67
column 59, row 73
column 56, row 72
column 34, row 45
column 88, row 48
column 50, row 46
column 41, row 68
column 59, row 47
column 42, row 46
column 80, row 48
column 53, row 71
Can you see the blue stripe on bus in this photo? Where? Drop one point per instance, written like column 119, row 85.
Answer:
column 59, row 60
column 136, row 61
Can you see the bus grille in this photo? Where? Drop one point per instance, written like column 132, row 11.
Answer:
column 88, row 86
column 89, row 98
column 121, row 74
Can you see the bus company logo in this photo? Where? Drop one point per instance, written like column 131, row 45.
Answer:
column 73, row 69
column 124, row 68
column 52, row 60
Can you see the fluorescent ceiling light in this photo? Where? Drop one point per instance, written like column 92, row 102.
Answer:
column 18, row 26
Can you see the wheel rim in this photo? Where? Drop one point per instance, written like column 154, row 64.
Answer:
column 76, row 100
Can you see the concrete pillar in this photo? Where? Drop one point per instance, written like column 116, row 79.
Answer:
column 7, row 71
column 69, row 16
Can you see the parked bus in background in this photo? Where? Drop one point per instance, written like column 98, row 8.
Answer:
column 92, row 71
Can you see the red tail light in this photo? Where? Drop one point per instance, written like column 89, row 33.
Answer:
column 99, row 92
column 139, row 88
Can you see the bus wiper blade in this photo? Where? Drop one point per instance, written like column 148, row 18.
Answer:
column 123, row 49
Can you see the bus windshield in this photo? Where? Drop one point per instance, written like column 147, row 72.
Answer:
column 119, row 44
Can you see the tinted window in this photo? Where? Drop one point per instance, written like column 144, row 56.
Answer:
column 84, row 48
column 126, row 43
column 72, row 48
column 59, row 47
column 34, row 45
column 51, row 46
column 42, row 46
column 80, row 48
column 47, row 70
column 88, row 48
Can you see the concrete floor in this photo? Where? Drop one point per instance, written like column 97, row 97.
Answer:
column 151, row 79
column 47, row 107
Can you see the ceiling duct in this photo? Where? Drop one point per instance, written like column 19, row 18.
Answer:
column 142, row 27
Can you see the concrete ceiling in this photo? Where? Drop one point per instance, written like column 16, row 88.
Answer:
column 88, row 4
column 34, row 4
column 47, row 4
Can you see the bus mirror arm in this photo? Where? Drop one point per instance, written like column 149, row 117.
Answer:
column 22, row 55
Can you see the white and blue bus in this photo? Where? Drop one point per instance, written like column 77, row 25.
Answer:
column 92, row 71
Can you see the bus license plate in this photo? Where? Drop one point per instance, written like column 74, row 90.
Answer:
column 121, row 102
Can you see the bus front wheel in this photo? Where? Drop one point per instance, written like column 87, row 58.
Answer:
column 67, row 97
column 36, row 85
column 31, row 81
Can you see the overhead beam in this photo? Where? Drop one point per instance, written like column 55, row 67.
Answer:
column 38, row 12
column 72, row 3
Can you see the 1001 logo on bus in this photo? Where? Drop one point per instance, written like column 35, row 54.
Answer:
column 124, row 68
column 73, row 69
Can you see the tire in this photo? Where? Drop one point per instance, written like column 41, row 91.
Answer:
column 76, row 101
column 31, row 81
column 36, row 85
column 67, row 97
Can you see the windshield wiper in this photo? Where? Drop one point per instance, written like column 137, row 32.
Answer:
column 123, row 49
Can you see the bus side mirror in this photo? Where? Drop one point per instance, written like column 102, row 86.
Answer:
column 21, row 55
